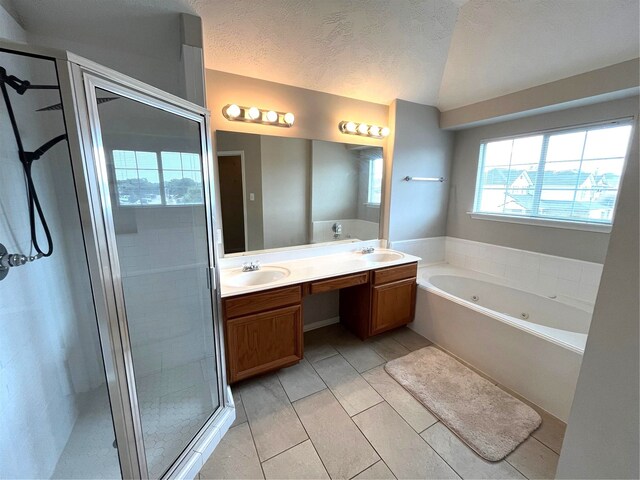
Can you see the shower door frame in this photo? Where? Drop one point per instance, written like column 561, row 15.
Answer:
column 83, row 77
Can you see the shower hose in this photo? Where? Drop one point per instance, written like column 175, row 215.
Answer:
column 27, row 159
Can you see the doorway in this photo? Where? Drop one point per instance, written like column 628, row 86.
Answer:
column 232, row 195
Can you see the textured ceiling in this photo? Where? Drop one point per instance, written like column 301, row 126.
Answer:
column 438, row 52
column 374, row 50
column 503, row 46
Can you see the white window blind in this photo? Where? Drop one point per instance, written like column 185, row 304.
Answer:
column 569, row 175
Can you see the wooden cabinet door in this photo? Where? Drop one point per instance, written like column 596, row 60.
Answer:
column 393, row 305
column 263, row 342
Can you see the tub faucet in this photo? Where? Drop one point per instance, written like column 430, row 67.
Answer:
column 365, row 250
column 251, row 266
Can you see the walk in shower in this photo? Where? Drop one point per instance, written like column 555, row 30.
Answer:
column 110, row 356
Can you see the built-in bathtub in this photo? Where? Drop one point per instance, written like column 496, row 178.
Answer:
column 530, row 343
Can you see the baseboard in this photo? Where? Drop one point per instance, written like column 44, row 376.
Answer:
column 321, row 323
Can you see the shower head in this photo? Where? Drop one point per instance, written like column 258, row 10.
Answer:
column 58, row 106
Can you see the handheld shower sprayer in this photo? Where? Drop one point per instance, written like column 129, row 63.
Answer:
column 27, row 158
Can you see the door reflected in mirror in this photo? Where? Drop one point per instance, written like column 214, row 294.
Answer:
column 282, row 192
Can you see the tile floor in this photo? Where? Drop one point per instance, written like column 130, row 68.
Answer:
column 338, row 414
column 174, row 404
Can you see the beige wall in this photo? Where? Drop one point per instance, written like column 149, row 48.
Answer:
column 286, row 167
column 595, row 86
column 582, row 245
column 334, row 190
column 317, row 114
column 420, row 149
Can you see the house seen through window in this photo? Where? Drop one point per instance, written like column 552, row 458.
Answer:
column 158, row 178
column 570, row 175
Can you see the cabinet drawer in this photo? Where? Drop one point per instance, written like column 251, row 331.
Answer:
column 263, row 342
column 261, row 301
column 391, row 274
column 337, row 283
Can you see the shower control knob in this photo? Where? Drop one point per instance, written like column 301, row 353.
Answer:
column 8, row 260
column 12, row 260
column 17, row 260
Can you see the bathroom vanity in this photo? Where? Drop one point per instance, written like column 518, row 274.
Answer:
column 302, row 207
column 264, row 327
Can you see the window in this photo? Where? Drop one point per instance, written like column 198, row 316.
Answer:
column 141, row 180
column 375, row 181
column 569, row 175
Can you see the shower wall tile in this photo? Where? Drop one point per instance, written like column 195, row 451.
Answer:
column 544, row 274
column 163, row 267
column 49, row 347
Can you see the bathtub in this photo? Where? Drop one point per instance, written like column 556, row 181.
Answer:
column 529, row 343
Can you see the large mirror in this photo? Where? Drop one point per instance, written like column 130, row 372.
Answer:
column 283, row 192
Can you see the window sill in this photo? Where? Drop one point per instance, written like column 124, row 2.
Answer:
column 372, row 205
column 542, row 222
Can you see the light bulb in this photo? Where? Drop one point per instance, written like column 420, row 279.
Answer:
column 374, row 131
column 272, row 116
column 254, row 113
column 350, row 127
column 385, row 131
column 289, row 118
column 363, row 129
column 233, row 111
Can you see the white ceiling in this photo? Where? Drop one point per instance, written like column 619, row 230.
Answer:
column 426, row 51
column 503, row 46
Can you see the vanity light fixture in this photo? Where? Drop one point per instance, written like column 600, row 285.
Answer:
column 363, row 129
column 272, row 116
column 233, row 111
column 239, row 113
column 289, row 118
column 253, row 113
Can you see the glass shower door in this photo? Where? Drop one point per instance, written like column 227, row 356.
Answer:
column 153, row 171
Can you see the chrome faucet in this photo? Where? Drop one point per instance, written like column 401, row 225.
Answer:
column 251, row 266
column 365, row 250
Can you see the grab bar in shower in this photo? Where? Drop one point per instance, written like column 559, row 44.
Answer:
column 423, row 179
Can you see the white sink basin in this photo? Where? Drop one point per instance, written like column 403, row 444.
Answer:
column 381, row 257
column 258, row 277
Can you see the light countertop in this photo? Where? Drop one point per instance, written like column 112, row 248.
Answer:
column 312, row 268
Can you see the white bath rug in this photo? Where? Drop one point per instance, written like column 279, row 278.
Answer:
column 488, row 419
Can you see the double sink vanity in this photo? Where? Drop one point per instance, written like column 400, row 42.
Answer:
column 262, row 304
column 310, row 211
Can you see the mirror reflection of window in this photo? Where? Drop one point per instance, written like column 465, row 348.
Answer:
column 137, row 177
column 141, row 180
column 375, row 181
column 182, row 179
